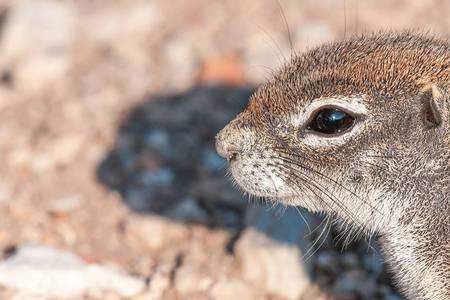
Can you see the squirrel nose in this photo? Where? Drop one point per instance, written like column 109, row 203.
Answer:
column 227, row 145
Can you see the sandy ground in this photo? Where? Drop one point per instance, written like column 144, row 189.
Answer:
column 70, row 73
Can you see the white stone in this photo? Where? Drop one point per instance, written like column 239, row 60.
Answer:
column 227, row 289
column 46, row 272
column 154, row 233
column 276, row 267
column 67, row 203
column 37, row 38
column 191, row 278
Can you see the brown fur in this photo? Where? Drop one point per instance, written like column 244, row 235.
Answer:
column 392, row 178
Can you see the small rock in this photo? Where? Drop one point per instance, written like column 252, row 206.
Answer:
column 161, row 177
column 314, row 293
column 37, row 35
column 191, row 278
column 159, row 140
column 228, row 289
column 160, row 281
column 328, row 261
column 148, row 198
column 137, row 198
column 66, row 148
column 274, row 266
column 52, row 273
column 187, row 210
column 355, row 281
column 66, row 204
column 154, row 232
column 350, row 260
column 57, row 153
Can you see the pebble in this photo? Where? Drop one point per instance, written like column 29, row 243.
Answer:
column 274, row 266
column 161, row 177
column 136, row 199
column 47, row 28
column 191, row 278
column 159, row 140
column 355, row 281
column 350, row 260
column 160, row 281
column 228, row 289
column 188, row 211
column 66, row 204
column 153, row 232
column 328, row 261
column 52, row 273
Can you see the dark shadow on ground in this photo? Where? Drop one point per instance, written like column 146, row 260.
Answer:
column 164, row 160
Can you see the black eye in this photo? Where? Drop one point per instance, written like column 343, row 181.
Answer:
column 331, row 121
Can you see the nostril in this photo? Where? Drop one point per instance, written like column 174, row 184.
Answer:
column 232, row 156
column 230, row 143
column 226, row 150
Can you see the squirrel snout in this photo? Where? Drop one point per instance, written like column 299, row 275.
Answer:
column 226, row 146
column 232, row 141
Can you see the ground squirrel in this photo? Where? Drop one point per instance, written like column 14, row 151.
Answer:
column 360, row 129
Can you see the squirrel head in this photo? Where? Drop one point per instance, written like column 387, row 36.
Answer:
column 354, row 128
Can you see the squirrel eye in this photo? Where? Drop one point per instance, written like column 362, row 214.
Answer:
column 331, row 121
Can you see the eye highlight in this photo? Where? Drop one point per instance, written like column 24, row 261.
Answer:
column 331, row 121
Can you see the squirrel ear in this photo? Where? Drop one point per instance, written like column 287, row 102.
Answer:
column 431, row 99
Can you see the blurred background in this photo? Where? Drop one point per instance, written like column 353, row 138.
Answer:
column 110, row 187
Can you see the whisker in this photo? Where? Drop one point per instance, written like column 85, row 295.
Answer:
column 303, row 218
column 308, row 183
column 322, row 190
column 297, row 163
column 327, row 227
